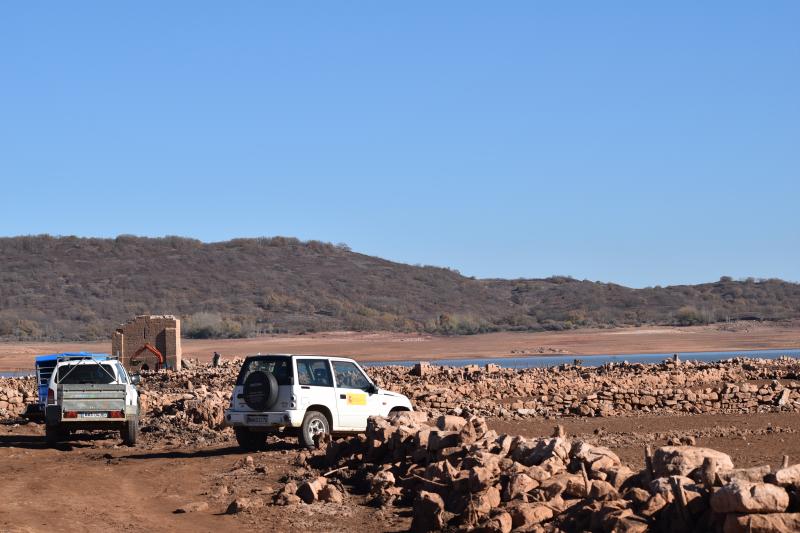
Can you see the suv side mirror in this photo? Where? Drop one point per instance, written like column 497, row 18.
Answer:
column 372, row 389
column 136, row 379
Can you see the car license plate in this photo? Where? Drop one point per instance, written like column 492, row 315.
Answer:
column 94, row 415
column 258, row 419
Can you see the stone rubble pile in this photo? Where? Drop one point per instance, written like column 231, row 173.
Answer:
column 733, row 386
column 187, row 406
column 457, row 475
column 15, row 393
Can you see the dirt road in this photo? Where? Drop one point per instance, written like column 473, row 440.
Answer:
column 95, row 485
column 393, row 346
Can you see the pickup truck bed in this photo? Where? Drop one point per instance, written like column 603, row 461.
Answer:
column 92, row 397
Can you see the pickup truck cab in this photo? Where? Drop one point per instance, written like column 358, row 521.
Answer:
column 91, row 393
column 307, row 394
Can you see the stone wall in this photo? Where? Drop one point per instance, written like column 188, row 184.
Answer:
column 734, row 386
column 160, row 331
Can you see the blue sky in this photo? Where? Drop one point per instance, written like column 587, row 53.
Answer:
column 637, row 142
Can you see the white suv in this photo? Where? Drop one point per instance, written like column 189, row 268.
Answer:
column 310, row 394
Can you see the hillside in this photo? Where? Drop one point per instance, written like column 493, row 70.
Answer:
column 70, row 288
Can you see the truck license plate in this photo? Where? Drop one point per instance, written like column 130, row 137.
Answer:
column 258, row 419
column 94, row 415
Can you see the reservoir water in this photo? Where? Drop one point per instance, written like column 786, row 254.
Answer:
column 538, row 361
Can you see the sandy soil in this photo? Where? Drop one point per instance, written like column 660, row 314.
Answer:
column 393, row 346
column 95, row 485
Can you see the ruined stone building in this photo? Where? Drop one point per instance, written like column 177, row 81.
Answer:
column 148, row 342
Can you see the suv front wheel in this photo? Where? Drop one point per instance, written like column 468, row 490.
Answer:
column 314, row 424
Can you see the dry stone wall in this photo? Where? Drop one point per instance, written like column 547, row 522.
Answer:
column 737, row 385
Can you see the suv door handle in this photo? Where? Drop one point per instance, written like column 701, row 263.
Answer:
column 305, row 387
column 343, row 396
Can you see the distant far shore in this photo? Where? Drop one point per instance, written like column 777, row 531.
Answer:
column 383, row 346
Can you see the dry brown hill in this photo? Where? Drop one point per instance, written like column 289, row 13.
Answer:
column 59, row 288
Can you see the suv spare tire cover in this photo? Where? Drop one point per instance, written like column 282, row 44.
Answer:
column 260, row 391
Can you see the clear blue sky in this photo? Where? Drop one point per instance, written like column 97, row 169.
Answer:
column 637, row 142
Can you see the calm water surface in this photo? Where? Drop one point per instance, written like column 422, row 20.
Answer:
column 538, row 361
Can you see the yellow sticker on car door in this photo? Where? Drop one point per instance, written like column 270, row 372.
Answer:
column 356, row 399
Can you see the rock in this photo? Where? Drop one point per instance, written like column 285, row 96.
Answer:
column 239, row 505
column 421, row 369
column 572, row 485
column 192, row 507
column 518, row 485
column 450, row 423
column 428, row 512
column 744, row 497
column 594, row 457
column 486, row 501
column 630, row 524
column 526, row 516
column 602, row 491
column 755, row 474
column 682, row 460
column 663, row 485
column 309, row 491
column 481, row 477
column 762, row 523
column 653, row 505
column 499, row 523
column 789, row 476
column 286, row 498
column 442, row 439
column 330, row 494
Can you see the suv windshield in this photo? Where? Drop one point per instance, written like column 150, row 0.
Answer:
column 277, row 366
column 86, row 373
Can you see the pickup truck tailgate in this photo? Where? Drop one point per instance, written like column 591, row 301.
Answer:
column 92, row 397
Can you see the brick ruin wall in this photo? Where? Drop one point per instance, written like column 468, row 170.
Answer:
column 161, row 331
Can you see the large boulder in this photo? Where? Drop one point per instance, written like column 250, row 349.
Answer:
column 754, row 474
column 594, row 457
column 518, row 485
column 745, row 497
column 428, row 513
column 526, row 516
column 762, row 523
column 682, row 460
column 309, row 491
column 789, row 476
column 450, row 423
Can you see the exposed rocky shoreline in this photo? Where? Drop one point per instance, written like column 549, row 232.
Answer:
column 454, row 473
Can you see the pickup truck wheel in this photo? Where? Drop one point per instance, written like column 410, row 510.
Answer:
column 53, row 435
column 130, row 431
column 250, row 440
column 314, row 423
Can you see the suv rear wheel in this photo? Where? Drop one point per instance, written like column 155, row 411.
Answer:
column 250, row 440
column 314, row 423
